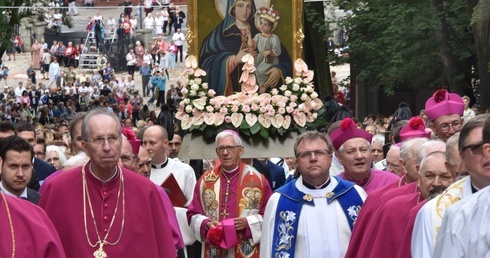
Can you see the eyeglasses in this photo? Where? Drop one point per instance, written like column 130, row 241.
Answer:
column 456, row 125
column 229, row 149
column 318, row 154
column 392, row 165
column 125, row 158
column 111, row 139
column 476, row 148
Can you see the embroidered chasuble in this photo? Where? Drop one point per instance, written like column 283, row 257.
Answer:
column 429, row 219
column 217, row 197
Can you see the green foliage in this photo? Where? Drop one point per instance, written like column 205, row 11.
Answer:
column 392, row 43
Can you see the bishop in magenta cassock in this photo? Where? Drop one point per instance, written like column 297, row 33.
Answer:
column 392, row 216
column 228, row 204
column 26, row 231
column 102, row 210
column 353, row 147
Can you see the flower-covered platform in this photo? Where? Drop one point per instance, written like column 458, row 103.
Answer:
column 268, row 122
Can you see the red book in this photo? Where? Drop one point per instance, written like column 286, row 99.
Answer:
column 174, row 192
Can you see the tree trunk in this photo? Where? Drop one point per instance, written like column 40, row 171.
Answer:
column 315, row 49
column 481, row 34
column 450, row 64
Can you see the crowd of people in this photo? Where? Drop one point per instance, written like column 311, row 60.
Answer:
column 401, row 204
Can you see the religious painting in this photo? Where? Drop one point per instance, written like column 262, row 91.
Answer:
column 221, row 32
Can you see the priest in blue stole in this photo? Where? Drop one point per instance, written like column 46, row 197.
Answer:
column 311, row 216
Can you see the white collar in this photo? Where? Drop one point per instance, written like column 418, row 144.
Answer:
column 23, row 195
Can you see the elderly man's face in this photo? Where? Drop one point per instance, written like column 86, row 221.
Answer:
column 144, row 163
column 393, row 162
column 103, row 145
column 434, row 174
column 229, row 152
column 445, row 126
column 127, row 159
column 377, row 152
column 356, row 157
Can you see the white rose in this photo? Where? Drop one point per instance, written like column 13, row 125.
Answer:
column 314, row 95
column 298, row 80
column 314, row 115
column 192, row 93
column 274, row 91
column 198, row 80
column 283, row 87
column 304, row 97
column 287, row 93
column 205, row 85
column 194, row 87
column 187, row 101
column 188, row 109
column 288, row 80
column 295, row 87
column 191, row 82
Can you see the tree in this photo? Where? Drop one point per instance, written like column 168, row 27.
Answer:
column 32, row 10
column 481, row 33
column 394, row 44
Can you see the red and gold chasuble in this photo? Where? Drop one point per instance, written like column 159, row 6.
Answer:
column 235, row 194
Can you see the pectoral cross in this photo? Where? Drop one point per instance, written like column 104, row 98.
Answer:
column 225, row 213
column 100, row 253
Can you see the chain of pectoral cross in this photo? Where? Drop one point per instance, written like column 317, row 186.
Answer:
column 224, row 212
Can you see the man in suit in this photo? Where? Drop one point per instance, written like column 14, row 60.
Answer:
column 27, row 131
column 16, row 160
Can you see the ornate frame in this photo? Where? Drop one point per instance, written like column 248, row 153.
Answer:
column 294, row 40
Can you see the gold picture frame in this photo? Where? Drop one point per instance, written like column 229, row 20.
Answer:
column 206, row 15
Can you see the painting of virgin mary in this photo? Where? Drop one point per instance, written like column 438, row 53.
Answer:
column 222, row 50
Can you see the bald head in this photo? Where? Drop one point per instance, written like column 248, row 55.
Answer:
column 144, row 163
column 127, row 159
column 158, row 131
column 155, row 141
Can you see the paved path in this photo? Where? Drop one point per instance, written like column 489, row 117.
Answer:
column 18, row 68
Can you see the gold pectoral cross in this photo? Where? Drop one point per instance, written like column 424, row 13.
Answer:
column 100, row 253
column 225, row 213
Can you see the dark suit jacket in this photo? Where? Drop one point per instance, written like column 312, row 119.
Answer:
column 277, row 174
column 43, row 169
column 33, row 196
column 263, row 169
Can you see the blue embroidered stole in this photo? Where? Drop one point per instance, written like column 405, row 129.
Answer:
column 289, row 210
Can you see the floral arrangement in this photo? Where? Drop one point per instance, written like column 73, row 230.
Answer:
column 294, row 106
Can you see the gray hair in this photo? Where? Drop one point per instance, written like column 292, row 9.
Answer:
column 342, row 146
column 94, row 112
column 379, row 138
column 59, row 152
column 225, row 133
column 429, row 147
column 407, row 146
column 439, row 154
column 450, row 144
